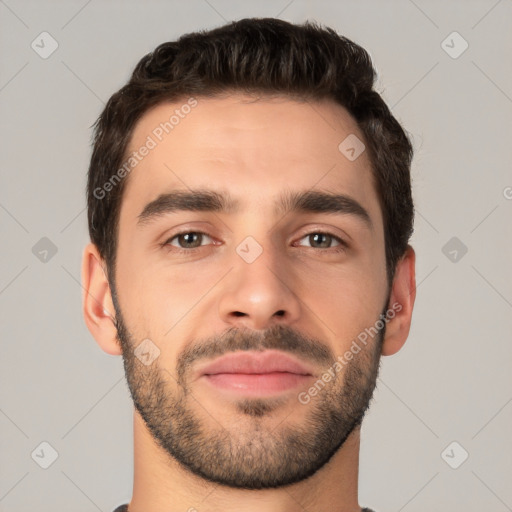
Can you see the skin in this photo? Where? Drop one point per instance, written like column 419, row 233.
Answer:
column 255, row 150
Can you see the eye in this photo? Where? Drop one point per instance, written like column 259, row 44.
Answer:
column 187, row 240
column 323, row 240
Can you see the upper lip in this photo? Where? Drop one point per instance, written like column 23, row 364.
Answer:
column 268, row 361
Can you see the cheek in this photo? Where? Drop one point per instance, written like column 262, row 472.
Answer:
column 344, row 300
column 161, row 297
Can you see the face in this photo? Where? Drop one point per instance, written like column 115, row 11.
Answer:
column 250, row 258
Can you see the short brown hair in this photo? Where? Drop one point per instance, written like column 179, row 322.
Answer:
column 256, row 55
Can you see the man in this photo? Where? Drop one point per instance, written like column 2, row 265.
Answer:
column 249, row 207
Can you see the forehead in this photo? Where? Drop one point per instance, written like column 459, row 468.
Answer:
column 254, row 147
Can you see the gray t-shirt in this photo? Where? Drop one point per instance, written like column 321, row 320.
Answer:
column 124, row 508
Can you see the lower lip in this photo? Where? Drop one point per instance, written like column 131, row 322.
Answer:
column 257, row 384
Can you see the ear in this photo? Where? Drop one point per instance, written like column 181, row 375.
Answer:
column 403, row 294
column 98, row 308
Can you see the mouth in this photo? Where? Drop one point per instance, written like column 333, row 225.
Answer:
column 256, row 373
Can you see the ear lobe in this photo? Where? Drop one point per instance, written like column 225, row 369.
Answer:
column 97, row 306
column 402, row 297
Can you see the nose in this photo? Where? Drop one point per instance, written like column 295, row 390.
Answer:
column 261, row 293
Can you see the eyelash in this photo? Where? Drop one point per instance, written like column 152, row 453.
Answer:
column 342, row 247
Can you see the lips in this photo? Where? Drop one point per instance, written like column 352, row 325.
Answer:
column 255, row 374
column 250, row 363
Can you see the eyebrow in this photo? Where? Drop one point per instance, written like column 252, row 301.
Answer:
column 205, row 200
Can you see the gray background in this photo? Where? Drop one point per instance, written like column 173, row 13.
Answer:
column 451, row 381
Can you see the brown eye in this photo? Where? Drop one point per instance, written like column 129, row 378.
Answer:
column 322, row 240
column 187, row 240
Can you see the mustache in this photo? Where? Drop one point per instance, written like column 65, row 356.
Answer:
column 278, row 337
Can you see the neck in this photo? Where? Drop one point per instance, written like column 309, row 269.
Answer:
column 162, row 485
